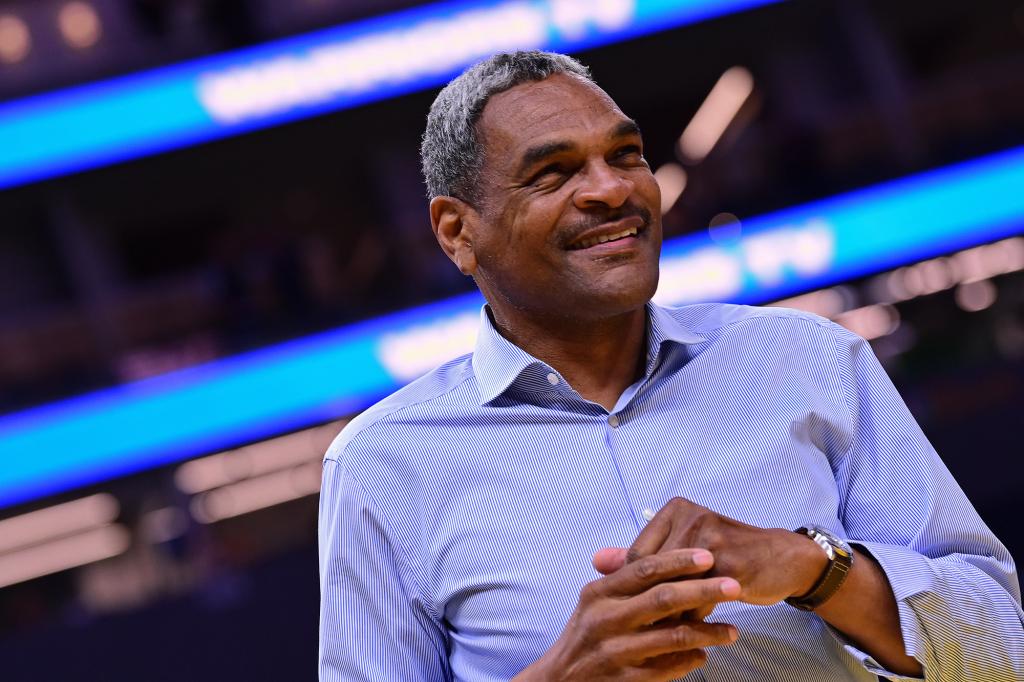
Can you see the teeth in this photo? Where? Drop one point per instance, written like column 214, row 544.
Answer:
column 631, row 232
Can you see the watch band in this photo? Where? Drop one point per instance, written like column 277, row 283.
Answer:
column 840, row 556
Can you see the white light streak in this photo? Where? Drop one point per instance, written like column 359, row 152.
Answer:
column 211, row 472
column 59, row 555
column 716, row 113
column 704, row 275
column 572, row 18
column 56, row 521
column 938, row 274
column 355, row 66
column 672, row 181
column 409, row 354
column 257, row 493
column 871, row 321
column 809, row 250
column 824, row 302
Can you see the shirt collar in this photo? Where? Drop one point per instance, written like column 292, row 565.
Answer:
column 664, row 328
column 497, row 362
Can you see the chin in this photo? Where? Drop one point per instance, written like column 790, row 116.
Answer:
column 622, row 295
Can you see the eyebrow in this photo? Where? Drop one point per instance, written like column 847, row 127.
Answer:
column 625, row 129
column 540, row 152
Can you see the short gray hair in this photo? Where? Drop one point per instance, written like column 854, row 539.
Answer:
column 451, row 152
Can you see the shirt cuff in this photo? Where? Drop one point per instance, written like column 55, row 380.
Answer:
column 909, row 573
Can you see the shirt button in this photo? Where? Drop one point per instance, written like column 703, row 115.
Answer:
column 552, row 378
column 648, row 514
column 613, row 421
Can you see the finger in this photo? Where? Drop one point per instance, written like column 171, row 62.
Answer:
column 672, row 666
column 668, row 529
column 639, row 576
column 675, row 638
column 609, row 559
column 672, row 598
column 652, row 537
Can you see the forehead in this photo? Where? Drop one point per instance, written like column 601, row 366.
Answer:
column 558, row 108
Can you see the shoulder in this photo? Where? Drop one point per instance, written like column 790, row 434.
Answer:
column 431, row 394
column 725, row 321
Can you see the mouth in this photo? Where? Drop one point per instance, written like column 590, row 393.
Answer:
column 623, row 231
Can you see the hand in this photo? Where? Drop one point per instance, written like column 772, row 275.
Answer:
column 771, row 564
column 626, row 627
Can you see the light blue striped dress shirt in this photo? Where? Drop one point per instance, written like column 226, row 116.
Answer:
column 458, row 517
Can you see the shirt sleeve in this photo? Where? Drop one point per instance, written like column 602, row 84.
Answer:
column 373, row 623
column 955, row 584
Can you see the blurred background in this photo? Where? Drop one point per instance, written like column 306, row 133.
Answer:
column 215, row 249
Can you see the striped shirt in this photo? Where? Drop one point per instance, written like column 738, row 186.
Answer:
column 458, row 517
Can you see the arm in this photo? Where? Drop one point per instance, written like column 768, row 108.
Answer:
column 774, row 564
column 954, row 584
column 373, row 623
column 931, row 587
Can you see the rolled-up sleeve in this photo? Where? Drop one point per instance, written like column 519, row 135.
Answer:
column 955, row 584
column 374, row 625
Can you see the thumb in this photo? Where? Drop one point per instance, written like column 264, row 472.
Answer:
column 609, row 559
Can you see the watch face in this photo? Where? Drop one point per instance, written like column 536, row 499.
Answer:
column 824, row 543
column 837, row 544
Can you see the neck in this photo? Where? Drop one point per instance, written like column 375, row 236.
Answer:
column 599, row 358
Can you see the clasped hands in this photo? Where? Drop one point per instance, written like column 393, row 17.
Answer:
column 644, row 620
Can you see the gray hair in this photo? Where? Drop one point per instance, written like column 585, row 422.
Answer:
column 451, row 151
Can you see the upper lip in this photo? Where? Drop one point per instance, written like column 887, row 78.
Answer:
column 607, row 229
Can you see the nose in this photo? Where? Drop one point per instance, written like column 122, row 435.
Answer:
column 602, row 185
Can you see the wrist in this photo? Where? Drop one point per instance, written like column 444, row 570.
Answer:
column 809, row 564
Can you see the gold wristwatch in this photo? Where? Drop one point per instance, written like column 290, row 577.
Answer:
column 840, row 560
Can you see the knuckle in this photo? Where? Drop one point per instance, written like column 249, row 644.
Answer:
column 632, row 556
column 682, row 638
column 604, row 650
column 588, row 593
column 663, row 598
column 647, row 568
column 588, row 624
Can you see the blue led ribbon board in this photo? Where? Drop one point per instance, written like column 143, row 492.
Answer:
column 232, row 93
column 312, row 380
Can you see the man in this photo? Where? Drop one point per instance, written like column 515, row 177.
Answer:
column 460, row 516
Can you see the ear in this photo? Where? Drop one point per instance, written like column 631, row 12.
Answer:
column 453, row 223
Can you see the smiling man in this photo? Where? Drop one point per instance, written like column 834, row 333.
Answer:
column 673, row 450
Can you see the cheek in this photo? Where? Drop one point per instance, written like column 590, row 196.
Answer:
column 532, row 224
column 647, row 187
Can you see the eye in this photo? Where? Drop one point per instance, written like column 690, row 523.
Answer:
column 550, row 173
column 630, row 154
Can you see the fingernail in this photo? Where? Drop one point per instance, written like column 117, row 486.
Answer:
column 729, row 586
column 702, row 558
column 734, row 634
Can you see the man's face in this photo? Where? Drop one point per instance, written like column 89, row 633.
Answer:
column 563, row 169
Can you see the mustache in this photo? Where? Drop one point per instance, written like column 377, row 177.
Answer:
column 592, row 220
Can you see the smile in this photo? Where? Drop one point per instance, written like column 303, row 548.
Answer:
column 587, row 243
column 626, row 228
